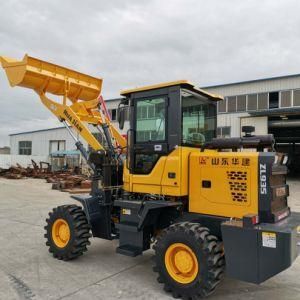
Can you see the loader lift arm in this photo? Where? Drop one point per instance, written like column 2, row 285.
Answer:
column 80, row 93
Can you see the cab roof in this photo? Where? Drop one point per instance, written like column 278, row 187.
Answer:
column 182, row 83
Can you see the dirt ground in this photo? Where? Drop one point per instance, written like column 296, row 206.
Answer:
column 28, row 271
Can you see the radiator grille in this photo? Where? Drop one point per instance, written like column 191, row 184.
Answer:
column 238, row 185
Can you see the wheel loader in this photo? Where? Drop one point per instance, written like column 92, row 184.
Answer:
column 201, row 202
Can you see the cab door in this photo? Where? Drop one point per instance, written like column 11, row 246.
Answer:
column 149, row 135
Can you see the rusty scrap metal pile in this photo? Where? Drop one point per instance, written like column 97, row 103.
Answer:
column 67, row 180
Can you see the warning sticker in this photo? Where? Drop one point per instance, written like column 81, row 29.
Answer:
column 126, row 211
column 269, row 239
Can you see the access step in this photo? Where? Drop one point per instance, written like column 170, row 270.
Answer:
column 129, row 250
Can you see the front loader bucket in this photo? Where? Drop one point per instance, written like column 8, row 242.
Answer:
column 82, row 90
column 39, row 75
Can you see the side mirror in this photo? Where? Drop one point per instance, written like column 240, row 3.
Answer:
column 121, row 114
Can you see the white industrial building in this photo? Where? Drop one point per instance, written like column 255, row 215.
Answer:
column 272, row 105
column 258, row 103
column 41, row 142
column 38, row 145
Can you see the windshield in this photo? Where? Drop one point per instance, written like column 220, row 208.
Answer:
column 198, row 119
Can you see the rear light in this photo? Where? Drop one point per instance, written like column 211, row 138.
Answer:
column 255, row 220
column 250, row 220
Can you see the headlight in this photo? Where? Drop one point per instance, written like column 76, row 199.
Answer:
column 276, row 159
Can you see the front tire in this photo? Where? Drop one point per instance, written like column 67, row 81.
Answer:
column 67, row 232
column 189, row 260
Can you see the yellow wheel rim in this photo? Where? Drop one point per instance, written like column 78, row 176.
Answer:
column 181, row 263
column 61, row 233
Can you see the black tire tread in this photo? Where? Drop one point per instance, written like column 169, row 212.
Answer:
column 213, row 250
column 80, row 232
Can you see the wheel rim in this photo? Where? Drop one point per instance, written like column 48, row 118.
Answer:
column 61, row 233
column 181, row 263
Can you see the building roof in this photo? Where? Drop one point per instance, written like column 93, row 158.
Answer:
column 34, row 131
column 252, row 81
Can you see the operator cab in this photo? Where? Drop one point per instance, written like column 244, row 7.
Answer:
column 164, row 117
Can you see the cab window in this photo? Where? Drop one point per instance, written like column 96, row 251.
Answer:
column 198, row 119
column 151, row 120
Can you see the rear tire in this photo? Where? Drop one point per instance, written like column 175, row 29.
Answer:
column 67, row 232
column 189, row 260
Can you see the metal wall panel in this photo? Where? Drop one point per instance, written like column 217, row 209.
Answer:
column 231, row 104
column 242, row 103
column 257, row 87
column 296, row 98
column 252, row 102
column 232, row 120
column 222, row 106
column 286, row 99
column 263, row 101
